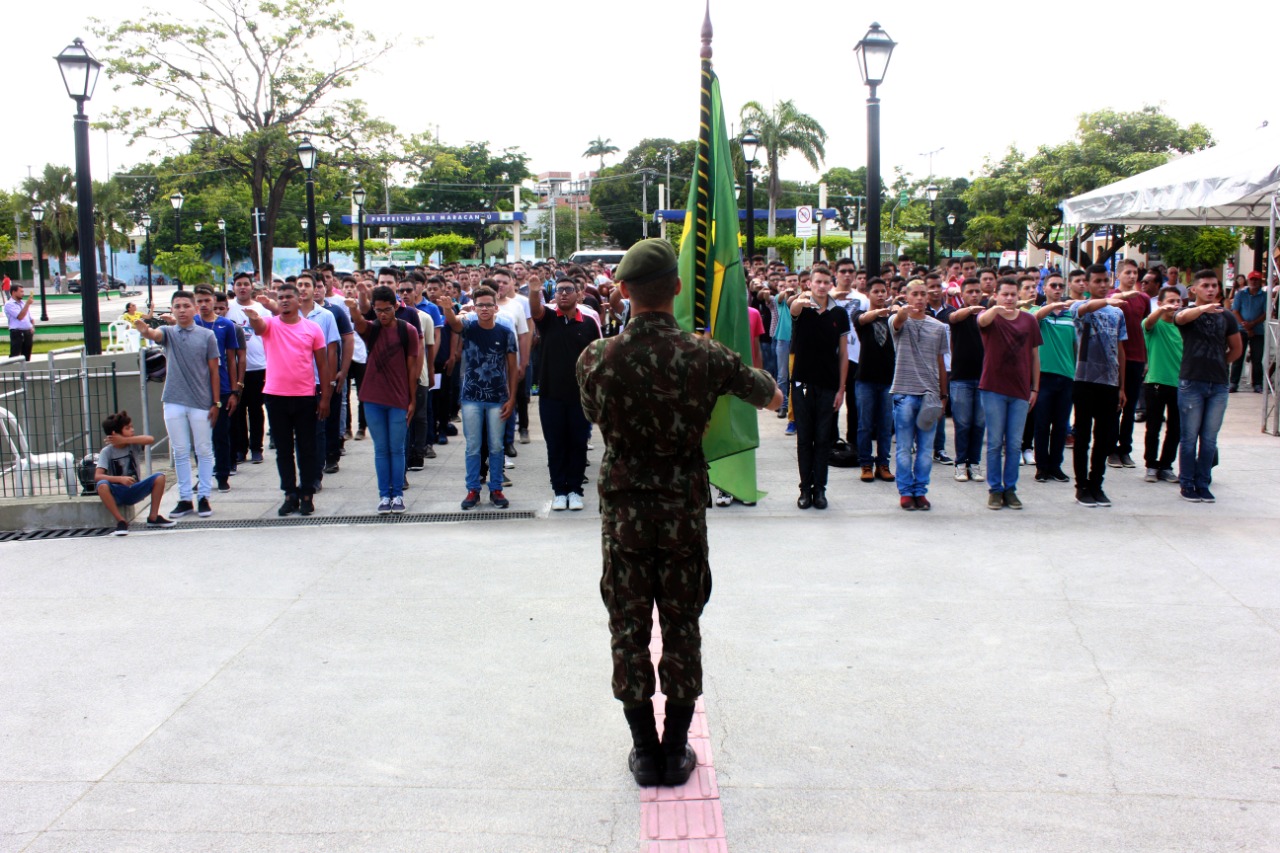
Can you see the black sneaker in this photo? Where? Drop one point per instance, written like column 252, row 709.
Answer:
column 942, row 458
column 203, row 509
column 429, row 452
column 1060, row 476
column 331, row 468
column 510, row 450
column 415, row 464
column 499, row 500
column 160, row 522
column 289, row 507
column 1041, row 476
column 1085, row 497
column 1100, row 497
column 1206, row 496
column 122, row 529
column 224, row 485
column 1127, row 461
column 1192, row 495
column 307, row 505
column 183, row 508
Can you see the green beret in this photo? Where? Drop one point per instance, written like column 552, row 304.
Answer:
column 647, row 260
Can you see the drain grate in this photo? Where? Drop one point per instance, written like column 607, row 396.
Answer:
column 288, row 521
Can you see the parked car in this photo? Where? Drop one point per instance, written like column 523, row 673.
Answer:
column 105, row 282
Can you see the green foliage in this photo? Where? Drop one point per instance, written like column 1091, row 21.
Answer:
column 1192, row 248
column 351, row 247
column 451, row 246
column 185, row 263
column 6, row 247
column 617, row 191
column 598, row 148
column 464, row 178
column 55, row 188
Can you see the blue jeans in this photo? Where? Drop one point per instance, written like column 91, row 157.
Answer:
column 769, row 359
column 129, row 495
column 1201, row 406
column 388, row 427
column 913, row 473
column 782, row 351
column 1006, row 418
column 966, row 411
column 875, row 421
column 475, row 417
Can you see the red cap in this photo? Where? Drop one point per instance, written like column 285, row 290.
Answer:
column 1255, row 276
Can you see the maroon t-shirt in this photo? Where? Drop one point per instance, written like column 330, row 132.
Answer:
column 386, row 374
column 1006, row 369
column 1135, row 310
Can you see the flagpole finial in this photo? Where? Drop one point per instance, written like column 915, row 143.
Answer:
column 706, row 33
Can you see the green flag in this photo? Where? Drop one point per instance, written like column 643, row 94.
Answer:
column 714, row 297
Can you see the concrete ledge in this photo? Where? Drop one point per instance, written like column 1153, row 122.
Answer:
column 47, row 513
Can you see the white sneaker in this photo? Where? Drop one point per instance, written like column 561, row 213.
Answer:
column 975, row 473
column 510, row 464
column 1028, row 457
column 723, row 498
column 962, row 473
column 1152, row 475
column 575, row 501
column 561, row 502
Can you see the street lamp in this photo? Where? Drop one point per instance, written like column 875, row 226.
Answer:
column 931, row 193
column 176, row 200
column 37, row 216
column 199, row 227
column 222, row 226
column 750, row 146
column 146, row 224
column 951, row 235
column 873, row 54
column 307, row 154
column 817, row 250
column 326, row 219
column 80, row 75
column 358, row 195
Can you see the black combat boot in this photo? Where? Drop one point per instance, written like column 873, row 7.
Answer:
column 680, row 757
column 645, row 761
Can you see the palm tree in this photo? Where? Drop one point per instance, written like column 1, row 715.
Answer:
column 600, row 147
column 781, row 131
column 56, row 190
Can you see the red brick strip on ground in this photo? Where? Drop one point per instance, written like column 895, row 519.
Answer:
column 686, row 819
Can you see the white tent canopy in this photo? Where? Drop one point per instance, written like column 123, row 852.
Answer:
column 1229, row 184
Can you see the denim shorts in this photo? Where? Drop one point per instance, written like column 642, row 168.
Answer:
column 130, row 495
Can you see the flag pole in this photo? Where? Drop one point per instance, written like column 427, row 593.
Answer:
column 701, row 241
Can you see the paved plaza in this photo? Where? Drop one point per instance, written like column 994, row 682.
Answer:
column 1056, row 679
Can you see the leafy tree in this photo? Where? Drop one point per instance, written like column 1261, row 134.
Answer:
column 457, row 179
column 600, row 147
column 618, row 191
column 1108, row 146
column 55, row 188
column 186, row 264
column 1192, row 248
column 782, row 130
column 244, row 83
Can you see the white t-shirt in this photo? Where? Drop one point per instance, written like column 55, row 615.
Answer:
column 255, row 355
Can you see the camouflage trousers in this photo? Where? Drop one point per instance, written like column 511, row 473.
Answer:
column 678, row 581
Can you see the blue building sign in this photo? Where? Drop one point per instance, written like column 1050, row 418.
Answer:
column 486, row 217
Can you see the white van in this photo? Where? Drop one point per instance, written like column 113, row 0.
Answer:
column 611, row 257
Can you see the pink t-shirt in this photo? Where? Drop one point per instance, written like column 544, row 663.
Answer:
column 290, row 362
column 757, row 324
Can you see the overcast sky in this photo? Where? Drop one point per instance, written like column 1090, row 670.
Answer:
column 549, row 76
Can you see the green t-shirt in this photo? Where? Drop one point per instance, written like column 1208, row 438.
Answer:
column 1058, row 350
column 1164, row 353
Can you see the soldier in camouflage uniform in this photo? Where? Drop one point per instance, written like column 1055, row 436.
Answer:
column 651, row 389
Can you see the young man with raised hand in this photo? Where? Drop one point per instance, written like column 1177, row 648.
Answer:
column 1164, row 359
column 819, row 345
column 1057, row 371
column 318, row 313
column 1098, row 390
column 1210, row 342
column 1135, row 305
column 248, row 422
column 297, row 391
column 224, row 331
column 920, row 376
column 967, row 355
column 874, row 379
column 192, row 398
column 1009, row 384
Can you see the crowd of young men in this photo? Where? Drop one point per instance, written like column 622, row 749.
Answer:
column 1020, row 360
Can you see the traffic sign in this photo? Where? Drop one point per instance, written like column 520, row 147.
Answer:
column 804, row 222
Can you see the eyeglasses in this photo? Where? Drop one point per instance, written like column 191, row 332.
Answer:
column 406, row 290
column 488, row 306
column 560, row 290
column 384, row 310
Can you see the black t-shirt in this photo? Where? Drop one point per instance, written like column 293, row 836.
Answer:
column 1204, row 347
column 815, row 343
column 966, row 349
column 876, row 362
column 562, row 341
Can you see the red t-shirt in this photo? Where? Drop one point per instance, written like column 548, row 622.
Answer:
column 1006, row 367
column 757, row 324
column 1135, row 310
column 386, row 373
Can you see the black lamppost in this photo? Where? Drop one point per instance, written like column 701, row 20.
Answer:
column 80, row 76
column 873, row 54
column 931, row 193
column 818, row 216
column 37, row 216
column 307, row 154
column 222, row 226
column 146, row 225
column 750, row 146
column 326, row 219
column 358, row 195
column 176, row 200
column 951, row 235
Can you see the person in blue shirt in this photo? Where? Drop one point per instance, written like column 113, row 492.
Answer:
column 1250, row 307
column 229, row 352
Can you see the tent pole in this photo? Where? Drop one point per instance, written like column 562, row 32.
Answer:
column 1271, row 340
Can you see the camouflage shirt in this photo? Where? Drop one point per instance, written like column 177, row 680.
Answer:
column 652, row 389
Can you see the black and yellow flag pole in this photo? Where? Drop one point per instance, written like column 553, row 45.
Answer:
column 702, row 243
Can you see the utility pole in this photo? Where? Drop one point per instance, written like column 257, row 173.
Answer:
column 644, row 202
column 552, row 253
